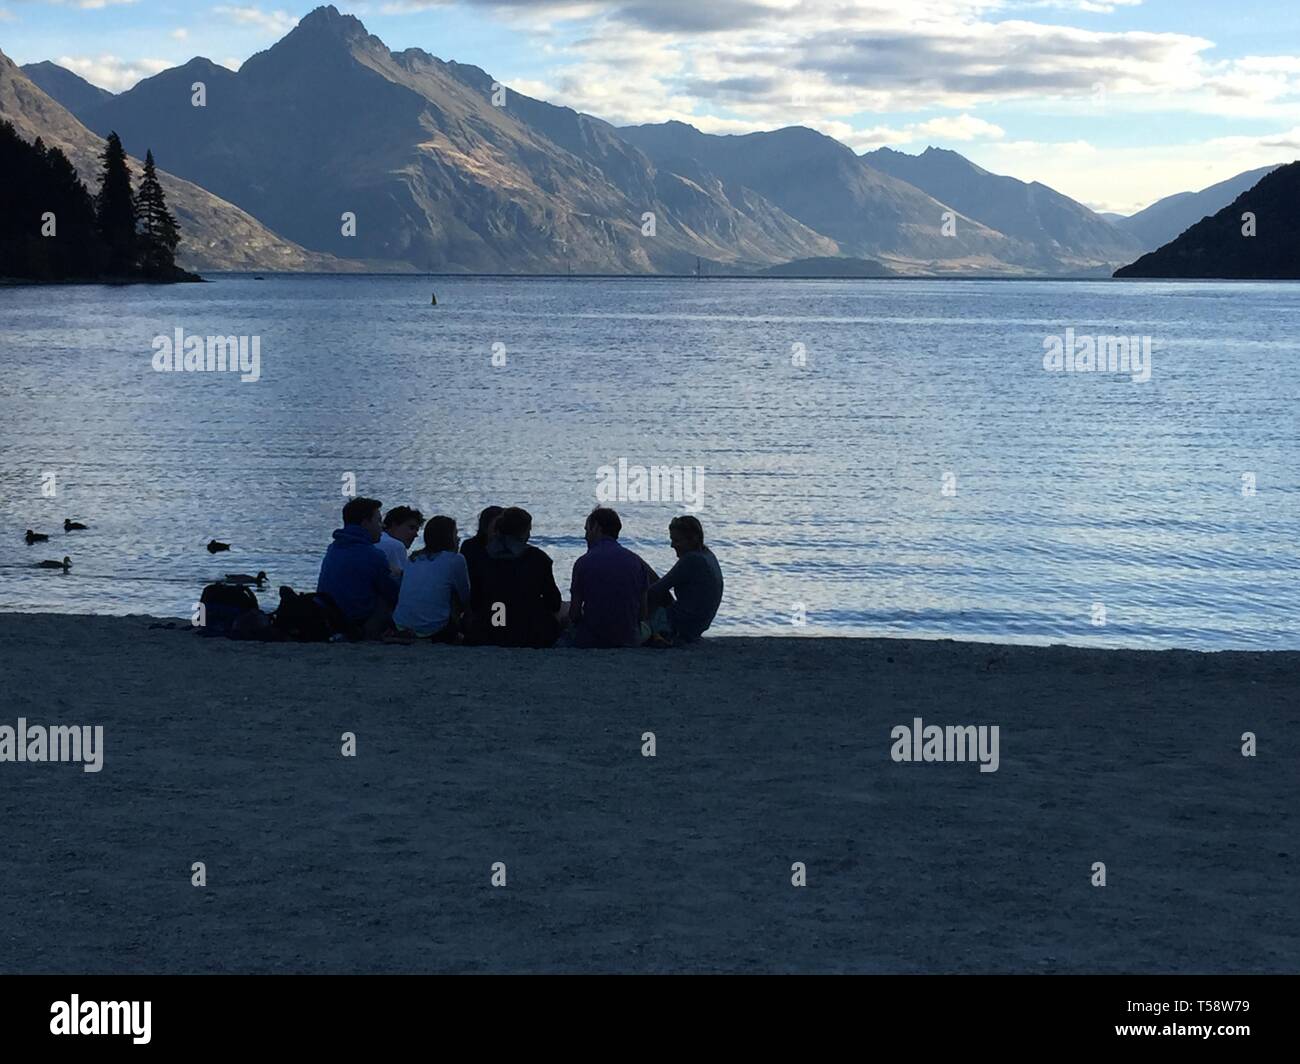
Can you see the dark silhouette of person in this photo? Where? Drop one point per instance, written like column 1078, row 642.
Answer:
column 515, row 602
column 685, row 601
column 475, row 548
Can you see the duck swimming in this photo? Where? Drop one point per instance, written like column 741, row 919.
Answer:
column 244, row 578
column 35, row 537
column 215, row 548
column 65, row 565
column 73, row 526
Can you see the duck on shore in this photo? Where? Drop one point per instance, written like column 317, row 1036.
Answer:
column 35, row 537
column 245, row 579
column 216, row 548
column 73, row 526
column 65, row 565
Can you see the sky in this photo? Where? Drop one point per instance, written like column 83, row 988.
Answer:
column 1113, row 102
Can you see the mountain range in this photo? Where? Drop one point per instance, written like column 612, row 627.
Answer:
column 1257, row 236
column 1059, row 228
column 215, row 234
column 1165, row 219
column 71, row 90
column 443, row 169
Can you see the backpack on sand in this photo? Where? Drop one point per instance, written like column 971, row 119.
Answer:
column 223, row 605
column 311, row 618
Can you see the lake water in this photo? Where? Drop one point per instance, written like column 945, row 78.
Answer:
column 922, row 474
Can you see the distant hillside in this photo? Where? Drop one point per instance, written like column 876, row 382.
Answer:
column 214, row 234
column 819, row 181
column 401, row 160
column 1158, row 224
column 1215, row 247
column 329, row 120
column 63, row 86
column 1067, row 235
column 829, row 267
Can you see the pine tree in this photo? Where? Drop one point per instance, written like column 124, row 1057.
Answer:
column 115, row 206
column 39, row 182
column 158, row 234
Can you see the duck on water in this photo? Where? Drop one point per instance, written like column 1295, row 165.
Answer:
column 245, row 579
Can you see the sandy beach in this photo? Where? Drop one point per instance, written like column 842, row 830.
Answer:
column 768, row 752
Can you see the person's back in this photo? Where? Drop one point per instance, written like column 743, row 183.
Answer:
column 355, row 573
column 515, row 600
column 607, row 600
column 696, row 580
column 475, row 548
column 474, row 551
column 436, row 583
column 691, row 591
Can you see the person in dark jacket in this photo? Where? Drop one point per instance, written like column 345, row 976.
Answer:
column 515, row 602
column 475, row 548
column 355, row 573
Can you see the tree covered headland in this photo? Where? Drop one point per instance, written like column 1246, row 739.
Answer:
column 52, row 229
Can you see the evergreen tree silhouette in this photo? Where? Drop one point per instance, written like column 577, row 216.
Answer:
column 52, row 229
column 79, row 250
column 48, row 229
column 158, row 232
column 116, row 209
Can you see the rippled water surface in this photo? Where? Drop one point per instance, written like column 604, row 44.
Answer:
column 823, row 485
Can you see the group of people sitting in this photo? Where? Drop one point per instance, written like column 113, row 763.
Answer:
column 497, row 590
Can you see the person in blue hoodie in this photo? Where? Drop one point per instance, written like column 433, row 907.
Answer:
column 355, row 573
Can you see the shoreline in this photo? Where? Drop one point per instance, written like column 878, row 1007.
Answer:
column 769, row 751
column 1055, row 278
column 111, row 282
column 924, row 637
column 210, row 276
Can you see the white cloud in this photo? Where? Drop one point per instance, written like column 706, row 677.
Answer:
column 1103, row 7
column 811, row 62
column 1127, row 179
column 113, row 72
column 961, row 127
column 273, row 22
column 89, row 5
column 817, row 62
column 179, row 34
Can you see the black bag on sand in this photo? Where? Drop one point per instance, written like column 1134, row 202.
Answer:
column 256, row 626
column 223, row 605
column 313, row 618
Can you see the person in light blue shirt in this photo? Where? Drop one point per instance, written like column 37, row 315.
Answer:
column 401, row 526
column 435, row 589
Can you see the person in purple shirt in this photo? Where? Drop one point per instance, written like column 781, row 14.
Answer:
column 607, row 599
